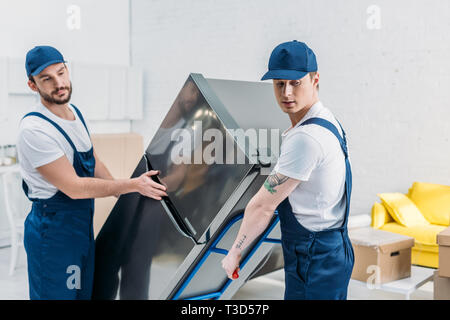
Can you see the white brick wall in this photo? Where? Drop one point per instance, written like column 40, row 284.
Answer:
column 388, row 87
column 103, row 38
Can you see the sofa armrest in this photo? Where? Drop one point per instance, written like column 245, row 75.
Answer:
column 380, row 216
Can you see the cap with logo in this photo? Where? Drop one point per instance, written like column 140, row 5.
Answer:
column 291, row 61
column 40, row 57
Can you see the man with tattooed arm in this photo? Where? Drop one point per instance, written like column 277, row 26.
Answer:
column 309, row 187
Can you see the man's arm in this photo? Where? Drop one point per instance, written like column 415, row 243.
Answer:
column 257, row 215
column 101, row 171
column 62, row 175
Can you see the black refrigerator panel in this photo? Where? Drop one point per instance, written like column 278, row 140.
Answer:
column 147, row 248
column 200, row 163
column 138, row 249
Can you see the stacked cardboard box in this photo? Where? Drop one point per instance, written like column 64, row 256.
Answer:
column 120, row 153
column 442, row 276
column 380, row 256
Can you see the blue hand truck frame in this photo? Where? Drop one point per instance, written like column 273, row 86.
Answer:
column 213, row 249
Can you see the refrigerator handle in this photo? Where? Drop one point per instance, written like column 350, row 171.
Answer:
column 177, row 226
column 181, row 228
column 264, row 160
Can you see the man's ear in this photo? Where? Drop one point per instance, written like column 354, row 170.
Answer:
column 32, row 85
column 316, row 78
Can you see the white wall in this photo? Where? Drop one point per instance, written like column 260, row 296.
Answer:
column 94, row 32
column 85, row 31
column 385, row 72
column 386, row 79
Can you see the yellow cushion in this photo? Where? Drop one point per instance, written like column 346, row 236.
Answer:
column 424, row 258
column 424, row 235
column 433, row 201
column 380, row 216
column 402, row 209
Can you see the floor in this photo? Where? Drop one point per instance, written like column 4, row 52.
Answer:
column 270, row 286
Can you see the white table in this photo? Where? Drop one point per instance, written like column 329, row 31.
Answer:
column 4, row 223
column 406, row 286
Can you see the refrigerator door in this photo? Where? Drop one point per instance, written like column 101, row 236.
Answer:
column 144, row 249
column 138, row 249
column 197, row 156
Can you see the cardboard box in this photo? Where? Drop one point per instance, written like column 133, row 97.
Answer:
column 441, row 289
column 380, row 256
column 443, row 240
column 120, row 152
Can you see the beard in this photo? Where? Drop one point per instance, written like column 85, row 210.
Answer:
column 49, row 97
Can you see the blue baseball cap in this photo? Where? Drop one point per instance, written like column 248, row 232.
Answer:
column 291, row 60
column 41, row 57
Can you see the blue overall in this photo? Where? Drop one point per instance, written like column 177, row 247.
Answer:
column 59, row 236
column 317, row 265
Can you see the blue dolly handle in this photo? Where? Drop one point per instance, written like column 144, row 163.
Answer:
column 213, row 248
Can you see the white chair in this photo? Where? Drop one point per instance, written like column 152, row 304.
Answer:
column 17, row 208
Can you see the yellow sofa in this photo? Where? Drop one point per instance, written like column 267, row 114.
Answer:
column 421, row 213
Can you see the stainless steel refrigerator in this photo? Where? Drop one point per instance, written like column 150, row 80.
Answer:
column 214, row 150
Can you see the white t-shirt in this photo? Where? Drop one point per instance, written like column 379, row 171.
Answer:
column 40, row 143
column 313, row 155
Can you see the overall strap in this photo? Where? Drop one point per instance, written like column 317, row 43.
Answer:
column 40, row 115
column 343, row 142
column 328, row 125
column 81, row 118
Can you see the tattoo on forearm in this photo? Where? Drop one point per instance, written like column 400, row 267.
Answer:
column 240, row 242
column 273, row 181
